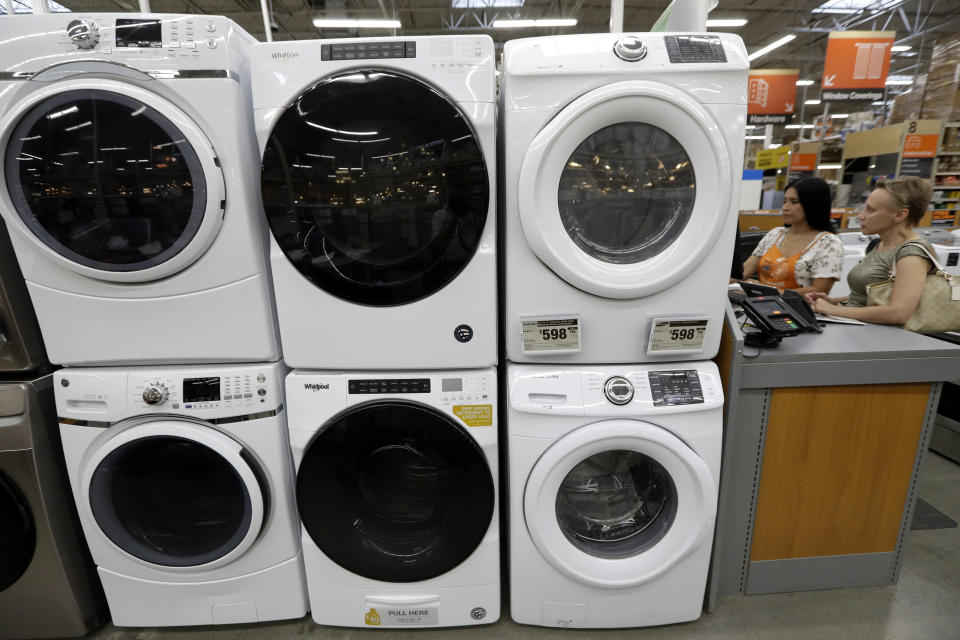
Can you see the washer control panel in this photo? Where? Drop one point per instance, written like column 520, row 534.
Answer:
column 369, row 50
column 615, row 390
column 670, row 388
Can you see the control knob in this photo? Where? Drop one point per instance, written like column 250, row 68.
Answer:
column 83, row 34
column 155, row 393
column 618, row 390
column 630, row 48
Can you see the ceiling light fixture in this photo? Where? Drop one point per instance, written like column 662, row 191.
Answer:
column 814, row 101
column 727, row 22
column 898, row 82
column 804, row 83
column 900, row 48
column 522, row 24
column 341, row 23
column 770, row 47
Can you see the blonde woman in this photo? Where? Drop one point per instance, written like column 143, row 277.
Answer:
column 892, row 211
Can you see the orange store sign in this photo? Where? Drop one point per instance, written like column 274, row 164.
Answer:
column 917, row 145
column 803, row 161
column 856, row 65
column 771, row 95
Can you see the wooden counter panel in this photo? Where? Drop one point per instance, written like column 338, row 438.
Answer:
column 837, row 464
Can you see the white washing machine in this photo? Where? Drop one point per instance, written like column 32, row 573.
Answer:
column 397, row 492
column 614, row 473
column 129, row 188
column 184, row 486
column 622, row 166
column 378, row 185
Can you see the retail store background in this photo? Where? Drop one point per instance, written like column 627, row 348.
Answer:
column 923, row 603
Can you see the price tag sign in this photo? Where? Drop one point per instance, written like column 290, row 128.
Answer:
column 550, row 336
column 677, row 335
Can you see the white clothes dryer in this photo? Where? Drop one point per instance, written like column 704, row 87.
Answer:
column 622, row 162
column 129, row 188
column 378, row 185
column 947, row 245
column 613, row 473
column 397, row 492
column 184, row 487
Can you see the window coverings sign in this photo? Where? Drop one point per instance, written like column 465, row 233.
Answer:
column 771, row 95
column 856, row 65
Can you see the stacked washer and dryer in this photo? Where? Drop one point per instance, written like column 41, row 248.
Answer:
column 378, row 185
column 621, row 166
column 129, row 193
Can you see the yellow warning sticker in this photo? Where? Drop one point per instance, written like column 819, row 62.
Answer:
column 475, row 415
column 372, row 617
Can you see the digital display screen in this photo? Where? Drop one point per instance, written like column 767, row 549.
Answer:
column 201, row 389
column 138, row 33
column 451, row 384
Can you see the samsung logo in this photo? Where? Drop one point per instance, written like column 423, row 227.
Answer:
column 284, row 55
column 316, row 386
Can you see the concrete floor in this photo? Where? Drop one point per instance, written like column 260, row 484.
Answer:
column 925, row 604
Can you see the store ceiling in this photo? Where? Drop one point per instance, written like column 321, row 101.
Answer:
column 917, row 22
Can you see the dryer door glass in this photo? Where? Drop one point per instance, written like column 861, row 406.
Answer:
column 616, row 504
column 395, row 491
column 626, row 193
column 105, row 180
column 375, row 187
column 170, row 501
column 18, row 537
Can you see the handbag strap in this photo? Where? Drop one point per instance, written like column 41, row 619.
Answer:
column 931, row 257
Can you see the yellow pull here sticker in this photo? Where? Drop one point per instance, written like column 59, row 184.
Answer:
column 475, row 415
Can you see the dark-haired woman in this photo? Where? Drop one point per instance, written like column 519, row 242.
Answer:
column 805, row 254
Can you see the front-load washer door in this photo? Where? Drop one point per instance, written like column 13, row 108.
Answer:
column 110, row 180
column 395, row 491
column 174, row 494
column 375, row 187
column 18, row 535
column 617, row 503
column 625, row 190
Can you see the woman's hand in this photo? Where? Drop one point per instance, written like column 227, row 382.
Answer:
column 824, row 306
column 813, row 296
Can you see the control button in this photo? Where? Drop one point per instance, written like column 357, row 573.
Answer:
column 190, row 44
column 630, row 48
column 174, row 45
column 261, row 392
column 618, row 390
column 155, row 393
column 261, row 378
column 211, row 26
column 212, row 43
column 83, row 34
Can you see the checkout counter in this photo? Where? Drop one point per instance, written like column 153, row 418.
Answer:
column 823, row 441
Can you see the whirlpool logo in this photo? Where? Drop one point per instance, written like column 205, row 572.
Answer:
column 282, row 56
column 316, row 386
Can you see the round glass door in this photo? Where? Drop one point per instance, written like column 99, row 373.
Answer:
column 176, row 501
column 18, row 537
column 395, row 491
column 375, row 187
column 626, row 189
column 105, row 180
column 617, row 503
column 626, row 192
